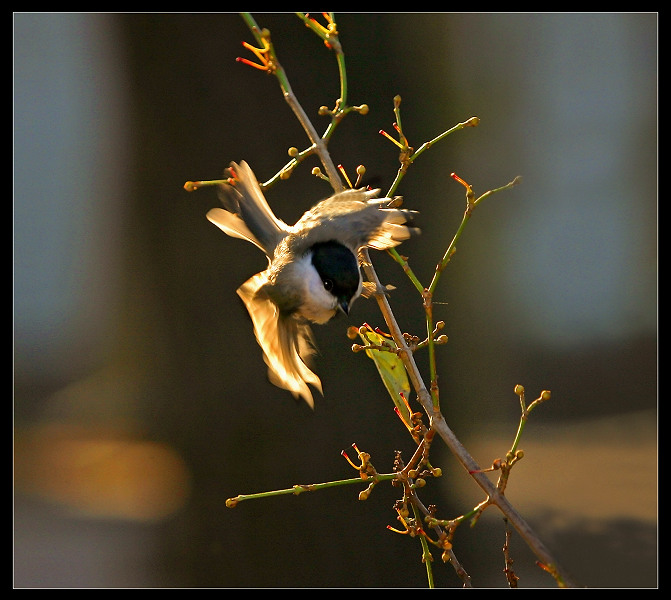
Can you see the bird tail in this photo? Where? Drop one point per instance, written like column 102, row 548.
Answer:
column 247, row 214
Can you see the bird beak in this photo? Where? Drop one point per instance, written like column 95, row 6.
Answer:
column 343, row 305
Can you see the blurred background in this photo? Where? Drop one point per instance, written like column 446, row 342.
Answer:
column 141, row 401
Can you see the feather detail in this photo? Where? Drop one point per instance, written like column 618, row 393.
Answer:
column 246, row 201
column 355, row 218
column 286, row 342
column 231, row 224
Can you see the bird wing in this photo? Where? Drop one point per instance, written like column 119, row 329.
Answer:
column 356, row 218
column 286, row 342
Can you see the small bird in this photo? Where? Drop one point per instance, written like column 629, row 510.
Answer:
column 313, row 267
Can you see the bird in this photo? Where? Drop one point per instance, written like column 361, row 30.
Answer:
column 313, row 266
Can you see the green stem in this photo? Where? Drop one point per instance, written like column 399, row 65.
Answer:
column 448, row 253
column 341, row 108
column 508, row 185
column 545, row 395
column 313, row 487
column 397, row 180
column 403, row 169
column 316, row 141
column 334, row 44
column 427, row 559
column 433, row 370
column 472, row 122
column 397, row 116
column 251, row 23
column 406, row 268
column 340, row 57
column 471, row 203
column 518, row 435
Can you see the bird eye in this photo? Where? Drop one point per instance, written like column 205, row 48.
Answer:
column 328, row 285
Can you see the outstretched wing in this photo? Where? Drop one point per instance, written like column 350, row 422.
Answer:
column 356, row 218
column 286, row 342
